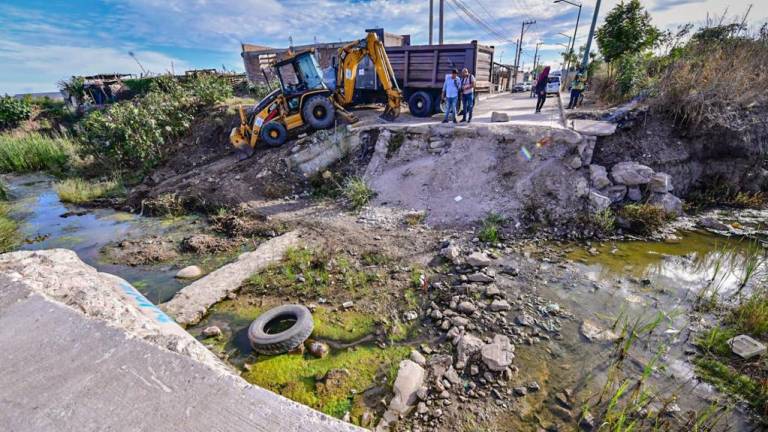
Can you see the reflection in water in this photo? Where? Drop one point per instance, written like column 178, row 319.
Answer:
column 698, row 260
column 43, row 224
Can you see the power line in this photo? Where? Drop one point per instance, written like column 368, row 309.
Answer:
column 479, row 21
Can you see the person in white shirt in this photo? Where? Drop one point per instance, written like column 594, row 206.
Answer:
column 451, row 88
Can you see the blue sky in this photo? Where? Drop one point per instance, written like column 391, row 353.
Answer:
column 42, row 42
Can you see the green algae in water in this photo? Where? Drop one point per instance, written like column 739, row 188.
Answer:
column 299, row 377
column 648, row 258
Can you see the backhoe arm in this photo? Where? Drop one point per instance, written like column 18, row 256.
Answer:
column 350, row 57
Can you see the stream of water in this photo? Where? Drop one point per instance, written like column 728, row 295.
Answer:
column 45, row 222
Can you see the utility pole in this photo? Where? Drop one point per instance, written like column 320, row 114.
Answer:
column 520, row 46
column 431, row 19
column 575, row 29
column 585, row 60
column 440, row 34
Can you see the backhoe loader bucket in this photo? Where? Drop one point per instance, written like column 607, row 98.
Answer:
column 390, row 113
column 240, row 142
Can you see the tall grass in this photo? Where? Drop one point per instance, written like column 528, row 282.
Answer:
column 8, row 230
column 357, row 192
column 34, row 152
column 751, row 315
column 78, row 191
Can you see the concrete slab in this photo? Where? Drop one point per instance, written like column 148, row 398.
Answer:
column 593, row 127
column 190, row 304
column 65, row 371
column 746, row 347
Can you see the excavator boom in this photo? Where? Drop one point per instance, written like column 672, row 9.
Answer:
column 350, row 57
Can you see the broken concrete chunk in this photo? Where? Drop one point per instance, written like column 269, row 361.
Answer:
column 410, row 377
column 468, row 346
column 499, row 117
column 631, row 173
column 451, row 253
column 593, row 127
column 746, row 347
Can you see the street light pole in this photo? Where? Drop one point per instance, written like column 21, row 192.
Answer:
column 520, row 46
column 585, row 60
column 575, row 29
column 431, row 19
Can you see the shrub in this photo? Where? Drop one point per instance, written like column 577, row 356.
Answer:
column 78, row 191
column 74, row 87
column 139, row 86
column 34, row 152
column 357, row 192
column 604, row 221
column 491, row 228
column 13, row 111
column 136, row 135
column 210, row 89
column 643, row 218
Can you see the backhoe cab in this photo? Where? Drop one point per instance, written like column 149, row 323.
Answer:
column 305, row 101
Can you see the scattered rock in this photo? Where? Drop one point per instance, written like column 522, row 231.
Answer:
column 410, row 315
column 670, row 203
column 211, row 331
column 525, row 320
column 520, row 391
column 634, row 194
column 660, row 183
column 317, row 349
column 499, row 305
column 492, row 291
column 598, row 201
column 347, row 304
column 499, row 354
column 468, row 346
column 466, row 307
column 598, row 176
column 712, row 223
column 480, row 278
column 452, row 376
column 746, row 347
column 631, row 173
column 499, row 117
column 595, row 333
column 410, row 377
column 418, row 358
column 451, row 253
column 189, row 272
column 587, row 422
column 616, row 192
column 478, row 259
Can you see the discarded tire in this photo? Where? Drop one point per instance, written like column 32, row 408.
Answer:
column 319, row 112
column 274, row 134
column 420, row 104
column 266, row 340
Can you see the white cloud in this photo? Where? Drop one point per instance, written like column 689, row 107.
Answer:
column 32, row 68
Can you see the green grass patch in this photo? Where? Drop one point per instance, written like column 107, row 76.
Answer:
column 308, row 271
column 357, row 192
column 490, row 231
column 34, row 152
column 342, row 326
column 751, row 315
column 299, row 377
column 643, row 218
column 9, row 237
column 728, row 380
column 78, row 191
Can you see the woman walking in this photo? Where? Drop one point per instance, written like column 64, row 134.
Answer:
column 541, row 89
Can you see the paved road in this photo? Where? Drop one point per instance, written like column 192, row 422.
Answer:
column 518, row 106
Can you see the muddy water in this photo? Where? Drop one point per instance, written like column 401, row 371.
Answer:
column 635, row 279
column 45, row 222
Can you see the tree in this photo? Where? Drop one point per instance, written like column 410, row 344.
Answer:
column 627, row 29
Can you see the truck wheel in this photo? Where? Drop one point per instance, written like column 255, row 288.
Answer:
column 420, row 104
column 319, row 112
column 281, row 329
column 273, row 134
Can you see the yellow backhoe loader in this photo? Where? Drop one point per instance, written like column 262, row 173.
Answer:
column 305, row 101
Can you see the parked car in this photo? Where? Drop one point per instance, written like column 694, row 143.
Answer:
column 553, row 84
column 522, row 87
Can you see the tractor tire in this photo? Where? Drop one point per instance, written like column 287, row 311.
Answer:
column 274, row 134
column 319, row 112
column 420, row 104
column 287, row 340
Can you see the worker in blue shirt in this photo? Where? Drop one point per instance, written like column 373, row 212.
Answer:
column 451, row 89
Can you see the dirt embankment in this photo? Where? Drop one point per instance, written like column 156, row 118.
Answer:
column 733, row 153
column 207, row 173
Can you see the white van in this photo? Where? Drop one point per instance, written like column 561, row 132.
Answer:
column 553, row 84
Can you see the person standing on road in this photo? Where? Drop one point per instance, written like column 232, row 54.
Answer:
column 468, row 94
column 451, row 88
column 577, row 86
column 541, row 88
